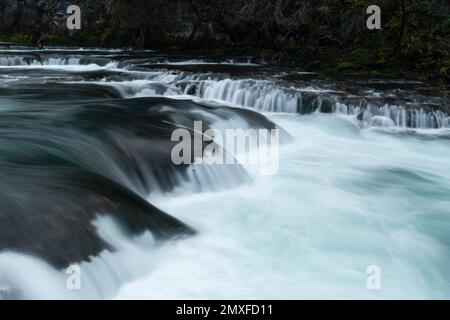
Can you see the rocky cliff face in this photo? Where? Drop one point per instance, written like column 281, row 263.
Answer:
column 30, row 20
column 414, row 34
column 113, row 22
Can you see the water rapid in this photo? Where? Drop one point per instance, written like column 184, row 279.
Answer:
column 87, row 180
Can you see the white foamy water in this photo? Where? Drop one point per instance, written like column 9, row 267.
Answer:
column 344, row 199
column 21, row 61
column 395, row 116
column 271, row 97
column 64, row 64
column 203, row 62
column 47, row 50
column 349, row 194
column 31, row 278
column 259, row 94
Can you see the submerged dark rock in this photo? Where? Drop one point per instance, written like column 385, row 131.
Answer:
column 52, row 218
column 66, row 159
column 61, row 167
column 56, row 91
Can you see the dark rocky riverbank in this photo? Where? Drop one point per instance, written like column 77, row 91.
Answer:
column 330, row 36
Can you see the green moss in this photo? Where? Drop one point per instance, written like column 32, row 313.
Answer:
column 346, row 65
column 20, row 38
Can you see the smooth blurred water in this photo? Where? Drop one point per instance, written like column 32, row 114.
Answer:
column 347, row 196
column 344, row 199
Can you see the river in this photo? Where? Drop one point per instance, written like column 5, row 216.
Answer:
column 86, row 179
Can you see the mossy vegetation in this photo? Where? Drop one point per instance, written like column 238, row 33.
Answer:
column 321, row 35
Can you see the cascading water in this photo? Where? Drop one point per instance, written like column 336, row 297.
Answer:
column 87, row 180
column 393, row 115
column 261, row 95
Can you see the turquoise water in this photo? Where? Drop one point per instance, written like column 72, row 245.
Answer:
column 347, row 196
column 344, row 199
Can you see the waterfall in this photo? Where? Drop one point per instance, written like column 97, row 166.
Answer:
column 258, row 94
column 400, row 116
column 262, row 95
column 46, row 60
column 88, row 178
column 267, row 96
